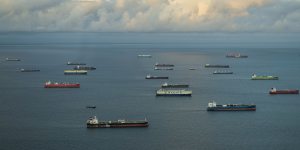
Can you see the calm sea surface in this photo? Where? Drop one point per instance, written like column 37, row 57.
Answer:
column 32, row 117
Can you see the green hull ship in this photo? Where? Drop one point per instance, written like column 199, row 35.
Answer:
column 255, row 77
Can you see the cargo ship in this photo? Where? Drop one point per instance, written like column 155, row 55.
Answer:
column 287, row 91
column 216, row 66
column 164, row 92
column 75, row 72
column 163, row 65
column 155, row 77
column 12, row 59
column 237, row 55
column 93, row 122
column 255, row 77
column 163, row 68
column 29, row 70
column 75, row 63
column 50, row 84
column 212, row 106
column 222, row 72
column 84, row 68
column 146, row 56
column 166, row 85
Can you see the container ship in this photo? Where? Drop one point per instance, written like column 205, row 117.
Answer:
column 29, row 70
column 216, row 66
column 287, row 91
column 212, row 106
column 75, row 72
column 164, row 92
column 84, row 68
column 255, row 77
column 93, row 122
column 166, row 85
column 163, row 68
column 50, row 84
column 75, row 63
column 156, row 77
column 222, row 72
column 163, row 65
column 12, row 59
column 146, row 56
column 238, row 55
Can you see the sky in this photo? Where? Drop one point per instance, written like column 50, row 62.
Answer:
column 279, row 16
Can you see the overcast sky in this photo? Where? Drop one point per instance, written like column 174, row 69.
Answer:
column 151, row 15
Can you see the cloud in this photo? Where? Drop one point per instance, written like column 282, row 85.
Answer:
column 151, row 15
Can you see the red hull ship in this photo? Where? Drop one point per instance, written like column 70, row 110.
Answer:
column 275, row 91
column 61, row 85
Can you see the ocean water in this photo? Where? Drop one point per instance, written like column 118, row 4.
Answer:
column 32, row 117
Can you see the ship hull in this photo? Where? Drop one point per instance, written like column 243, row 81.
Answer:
column 118, row 125
column 262, row 78
column 217, row 66
column 164, row 65
column 157, row 78
column 34, row 70
column 175, row 86
column 284, row 92
column 173, row 94
column 231, row 109
column 62, row 86
column 84, row 68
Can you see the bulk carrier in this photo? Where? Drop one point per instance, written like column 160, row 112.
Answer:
column 216, row 66
column 165, row 92
column 93, row 122
column 166, row 85
column 255, row 77
column 84, row 68
column 50, row 84
column 75, row 72
column 237, row 55
column 212, row 106
column 156, row 77
column 287, row 91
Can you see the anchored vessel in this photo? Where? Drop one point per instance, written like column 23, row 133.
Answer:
column 166, row 85
column 75, row 63
column 91, row 107
column 164, row 92
column 216, row 66
column 155, row 77
column 75, row 72
column 222, row 72
column 287, row 91
column 93, row 122
column 163, row 65
column 255, row 77
column 143, row 55
column 84, row 68
column 212, row 106
column 164, row 68
column 12, row 59
column 29, row 70
column 237, row 55
column 192, row 68
column 50, row 84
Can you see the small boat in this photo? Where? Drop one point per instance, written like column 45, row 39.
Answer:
column 216, row 66
column 93, row 107
column 75, row 72
column 93, row 122
column 156, row 77
column 287, row 91
column 84, row 68
column 146, row 56
column 163, row 65
column 29, row 70
column 222, row 72
column 255, row 77
column 50, row 84
column 166, row 85
column 212, row 106
column 165, row 92
column 163, row 68
column 236, row 55
column 12, row 59
column 75, row 63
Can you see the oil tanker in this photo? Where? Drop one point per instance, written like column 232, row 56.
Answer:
column 156, row 77
column 255, row 77
column 50, row 84
column 165, row 92
column 93, row 122
column 166, row 85
column 75, row 72
column 212, row 106
column 216, row 66
column 287, row 91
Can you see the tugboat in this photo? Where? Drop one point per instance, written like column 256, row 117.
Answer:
column 255, row 77
column 49, row 84
column 155, row 77
column 166, row 85
column 288, row 91
column 12, row 59
column 75, row 63
column 216, row 66
column 84, row 68
column 222, row 72
column 93, row 122
column 75, row 72
column 163, row 65
column 237, row 55
column 164, row 92
column 212, row 106
column 29, row 70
